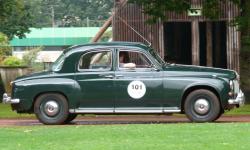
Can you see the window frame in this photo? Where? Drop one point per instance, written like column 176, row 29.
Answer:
column 96, row 70
column 135, row 69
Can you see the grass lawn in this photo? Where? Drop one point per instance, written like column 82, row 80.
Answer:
column 187, row 136
column 6, row 112
column 245, row 110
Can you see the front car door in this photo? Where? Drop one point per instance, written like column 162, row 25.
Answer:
column 95, row 77
column 138, row 87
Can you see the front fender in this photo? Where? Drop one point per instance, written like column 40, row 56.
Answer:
column 218, row 84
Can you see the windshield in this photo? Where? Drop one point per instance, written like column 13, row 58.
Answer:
column 156, row 56
column 57, row 65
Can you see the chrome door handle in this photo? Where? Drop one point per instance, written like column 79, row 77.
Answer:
column 109, row 76
column 118, row 76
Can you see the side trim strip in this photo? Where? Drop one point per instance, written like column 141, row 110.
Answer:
column 92, row 110
column 127, row 110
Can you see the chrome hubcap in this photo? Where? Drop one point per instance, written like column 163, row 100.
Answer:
column 201, row 106
column 51, row 108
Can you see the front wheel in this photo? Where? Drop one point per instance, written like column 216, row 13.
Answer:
column 51, row 108
column 202, row 106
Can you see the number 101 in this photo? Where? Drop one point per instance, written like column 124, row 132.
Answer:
column 137, row 87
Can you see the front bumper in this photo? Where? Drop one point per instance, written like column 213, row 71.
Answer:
column 239, row 100
column 8, row 100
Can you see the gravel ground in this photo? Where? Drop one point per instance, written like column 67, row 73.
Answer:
column 135, row 119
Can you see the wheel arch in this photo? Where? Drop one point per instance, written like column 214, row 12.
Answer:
column 198, row 87
column 46, row 92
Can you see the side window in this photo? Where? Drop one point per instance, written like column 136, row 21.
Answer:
column 97, row 60
column 130, row 59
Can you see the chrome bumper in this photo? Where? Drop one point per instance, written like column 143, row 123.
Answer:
column 8, row 100
column 239, row 100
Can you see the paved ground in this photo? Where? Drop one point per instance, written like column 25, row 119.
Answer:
column 138, row 119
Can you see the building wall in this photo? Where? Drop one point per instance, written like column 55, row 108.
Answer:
column 129, row 24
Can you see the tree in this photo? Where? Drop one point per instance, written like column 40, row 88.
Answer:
column 69, row 13
column 15, row 18
column 5, row 48
column 157, row 8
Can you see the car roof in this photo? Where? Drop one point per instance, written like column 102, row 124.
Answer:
column 105, row 44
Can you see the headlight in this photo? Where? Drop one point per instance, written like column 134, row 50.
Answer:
column 11, row 83
column 237, row 76
column 231, row 83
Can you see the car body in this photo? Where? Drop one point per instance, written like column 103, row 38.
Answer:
column 90, row 79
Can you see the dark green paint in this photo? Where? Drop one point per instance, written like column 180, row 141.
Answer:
column 165, row 83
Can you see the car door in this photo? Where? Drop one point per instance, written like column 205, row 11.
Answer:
column 95, row 77
column 138, row 87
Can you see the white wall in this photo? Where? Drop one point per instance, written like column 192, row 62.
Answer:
column 43, row 56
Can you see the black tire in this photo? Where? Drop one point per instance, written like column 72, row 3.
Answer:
column 202, row 106
column 220, row 114
column 70, row 118
column 51, row 108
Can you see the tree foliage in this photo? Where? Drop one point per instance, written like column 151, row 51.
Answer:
column 244, row 23
column 15, row 18
column 5, row 48
column 157, row 8
column 70, row 12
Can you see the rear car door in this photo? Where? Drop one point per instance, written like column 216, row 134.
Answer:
column 95, row 77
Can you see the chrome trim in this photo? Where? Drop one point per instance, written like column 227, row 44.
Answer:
column 8, row 100
column 97, row 70
column 239, row 100
column 92, row 110
column 139, row 110
column 201, row 106
column 171, row 110
column 51, row 108
column 127, row 110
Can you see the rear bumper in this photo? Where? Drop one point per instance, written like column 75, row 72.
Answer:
column 239, row 100
column 8, row 100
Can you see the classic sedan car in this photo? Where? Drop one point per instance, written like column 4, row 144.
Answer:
column 123, row 78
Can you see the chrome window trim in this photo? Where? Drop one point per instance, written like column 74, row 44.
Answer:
column 95, row 70
column 135, row 69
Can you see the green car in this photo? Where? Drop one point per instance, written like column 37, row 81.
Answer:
column 123, row 78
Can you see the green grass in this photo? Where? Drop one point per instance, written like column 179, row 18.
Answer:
column 245, row 110
column 6, row 112
column 229, row 136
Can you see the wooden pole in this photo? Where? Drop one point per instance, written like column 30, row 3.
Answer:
column 102, row 30
column 195, row 42
column 209, row 44
column 107, row 24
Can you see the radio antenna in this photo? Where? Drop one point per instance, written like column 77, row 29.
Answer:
column 149, row 44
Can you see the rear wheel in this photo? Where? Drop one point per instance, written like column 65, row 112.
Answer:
column 51, row 108
column 202, row 106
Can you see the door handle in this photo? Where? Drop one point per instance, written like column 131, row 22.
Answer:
column 119, row 76
column 108, row 76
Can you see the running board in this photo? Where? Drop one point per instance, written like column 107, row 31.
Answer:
column 126, row 110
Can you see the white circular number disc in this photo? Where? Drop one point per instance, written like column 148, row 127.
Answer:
column 136, row 89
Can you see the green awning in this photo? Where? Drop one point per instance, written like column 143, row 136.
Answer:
column 56, row 36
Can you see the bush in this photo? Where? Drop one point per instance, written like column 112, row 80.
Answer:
column 5, row 48
column 12, row 61
column 30, row 56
